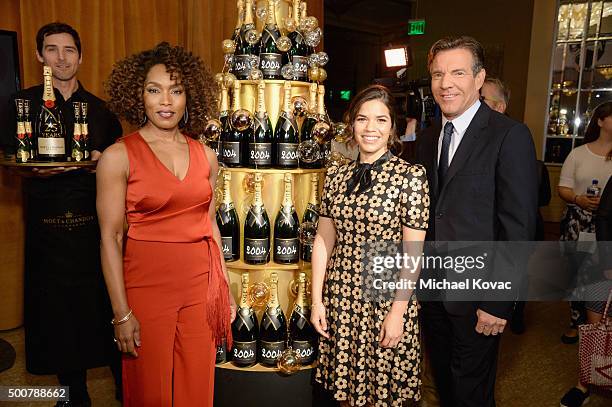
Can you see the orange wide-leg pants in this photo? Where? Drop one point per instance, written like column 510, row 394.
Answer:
column 166, row 285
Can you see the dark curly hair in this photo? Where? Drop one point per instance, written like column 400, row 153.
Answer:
column 125, row 85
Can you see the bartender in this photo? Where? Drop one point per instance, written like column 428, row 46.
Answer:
column 67, row 310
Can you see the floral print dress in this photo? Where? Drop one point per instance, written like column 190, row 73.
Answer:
column 364, row 208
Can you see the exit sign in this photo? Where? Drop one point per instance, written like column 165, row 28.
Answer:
column 345, row 95
column 416, row 27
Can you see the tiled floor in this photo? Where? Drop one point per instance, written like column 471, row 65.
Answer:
column 535, row 368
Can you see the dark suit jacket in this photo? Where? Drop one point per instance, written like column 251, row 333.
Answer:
column 490, row 191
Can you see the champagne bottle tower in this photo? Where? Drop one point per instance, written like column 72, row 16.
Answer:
column 276, row 201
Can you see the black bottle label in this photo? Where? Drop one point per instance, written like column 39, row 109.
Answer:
column 305, row 351
column 286, row 250
column 256, row 250
column 271, row 351
column 231, row 152
column 221, row 354
column 270, row 64
column 300, row 67
column 244, row 353
column 260, row 154
column 226, row 243
column 287, row 154
column 307, row 252
column 215, row 147
column 242, row 66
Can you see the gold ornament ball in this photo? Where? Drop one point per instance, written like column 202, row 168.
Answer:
column 288, row 362
column 321, row 132
column 258, row 294
column 248, row 184
column 311, row 23
column 289, row 24
column 322, row 74
column 283, row 43
column 313, row 73
column 335, row 159
column 212, row 130
column 300, row 105
column 241, row 119
column 229, row 79
column 341, row 133
column 228, row 46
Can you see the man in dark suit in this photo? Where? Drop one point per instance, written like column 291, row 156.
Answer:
column 481, row 167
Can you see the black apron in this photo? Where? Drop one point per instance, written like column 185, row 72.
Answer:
column 67, row 310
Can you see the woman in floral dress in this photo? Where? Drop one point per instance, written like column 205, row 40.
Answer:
column 369, row 349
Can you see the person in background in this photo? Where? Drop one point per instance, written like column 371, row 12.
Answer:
column 66, row 305
column 497, row 96
column 584, row 164
column 579, row 395
column 369, row 351
column 167, row 280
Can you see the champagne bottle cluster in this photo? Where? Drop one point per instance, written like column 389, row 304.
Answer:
column 271, row 56
column 259, row 248
column 48, row 139
column 265, row 341
column 262, row 145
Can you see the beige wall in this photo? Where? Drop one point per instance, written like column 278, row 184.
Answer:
column 542, row 37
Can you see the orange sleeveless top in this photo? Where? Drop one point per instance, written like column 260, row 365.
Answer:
column 162, row 208
column 159, row 206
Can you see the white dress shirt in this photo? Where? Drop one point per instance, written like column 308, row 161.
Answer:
column 460, row 125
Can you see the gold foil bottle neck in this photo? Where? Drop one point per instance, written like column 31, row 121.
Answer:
column 244, row 296
column 48, row 93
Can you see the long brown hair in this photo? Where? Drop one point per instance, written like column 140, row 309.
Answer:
column 592, row 131
column 373, row 92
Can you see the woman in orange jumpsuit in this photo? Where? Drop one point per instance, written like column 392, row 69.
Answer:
column 169, row 290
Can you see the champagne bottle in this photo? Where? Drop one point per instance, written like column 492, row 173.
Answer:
column 28, row 129
column 311, row 214
column 273, row 329
column 227, row 220
column 270, row 57
column 303, row 15
column 245, row 52
column 322, row 116
column 286, row 135
column 257, row 229
column 239, row 19
column 50, row 124
column 286, row 229
column 260, row 144
column 76, row 147
column 245, row 330
column 233, row 143
column 85, row 131
column 224, row 113
column 298, row 54
column 224, row 108
column 22, row 151
column 302, row 334
column 221, row 356
column 308, row 124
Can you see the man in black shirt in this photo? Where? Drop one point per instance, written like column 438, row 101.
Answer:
column 67, row 310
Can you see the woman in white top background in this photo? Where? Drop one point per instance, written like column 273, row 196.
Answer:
column 590, row 161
